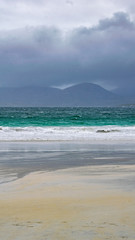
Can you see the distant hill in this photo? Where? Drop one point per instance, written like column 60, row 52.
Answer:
column 80, row 95
column 127, row 92
column 29, row 96
column 89, row 94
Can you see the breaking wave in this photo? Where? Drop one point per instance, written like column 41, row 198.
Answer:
column 67, row 133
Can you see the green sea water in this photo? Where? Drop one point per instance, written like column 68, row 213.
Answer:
column 45, row 117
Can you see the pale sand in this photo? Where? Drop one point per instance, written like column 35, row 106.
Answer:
column 85, row 203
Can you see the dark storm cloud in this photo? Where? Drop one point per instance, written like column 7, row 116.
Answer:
column 104, row 53
column 120, row 19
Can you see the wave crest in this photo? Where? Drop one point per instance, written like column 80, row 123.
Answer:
column 66, row 133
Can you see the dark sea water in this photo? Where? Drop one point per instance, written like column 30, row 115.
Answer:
column 65, row 123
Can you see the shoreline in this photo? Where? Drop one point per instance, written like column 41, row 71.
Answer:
column 73, row 143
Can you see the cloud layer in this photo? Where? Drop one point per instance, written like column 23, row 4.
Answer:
column 103, row 53
column 64, row 14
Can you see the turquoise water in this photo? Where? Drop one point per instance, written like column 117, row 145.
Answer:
column 42, row 117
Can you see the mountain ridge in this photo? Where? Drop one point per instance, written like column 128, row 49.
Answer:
column 79, row 95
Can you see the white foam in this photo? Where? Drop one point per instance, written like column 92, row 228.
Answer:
column 67, row 133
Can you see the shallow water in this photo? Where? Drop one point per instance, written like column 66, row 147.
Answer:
column 19, row 159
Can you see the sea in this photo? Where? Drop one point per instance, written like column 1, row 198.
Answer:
column 67, row 124
column 48, row 139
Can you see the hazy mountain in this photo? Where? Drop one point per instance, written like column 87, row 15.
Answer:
column 85, row 94
column 29, row 96
column 89, row 94
column 128, row 91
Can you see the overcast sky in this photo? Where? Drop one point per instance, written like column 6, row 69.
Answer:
column 63, row 42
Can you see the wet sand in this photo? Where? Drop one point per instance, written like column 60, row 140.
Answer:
column 85, row 203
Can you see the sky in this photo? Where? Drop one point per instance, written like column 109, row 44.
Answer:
column 64, row 42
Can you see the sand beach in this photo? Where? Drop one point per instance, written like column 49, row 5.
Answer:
column 83, row 202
